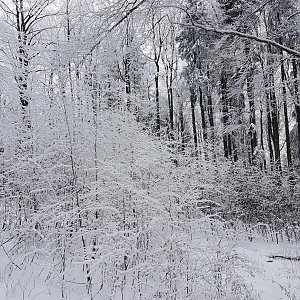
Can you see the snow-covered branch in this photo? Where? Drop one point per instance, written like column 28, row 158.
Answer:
column 288, row 50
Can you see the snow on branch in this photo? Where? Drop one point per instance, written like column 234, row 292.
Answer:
column 243, row 35
column 123, row 18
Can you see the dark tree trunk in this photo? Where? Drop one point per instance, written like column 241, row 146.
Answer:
column 157, row 55
column 171, row 66
column 252, row 117
column 261, row 130
column 262, row 134
column 284, row 93
column 171, row 108
column 273, row 113
column 127, row 65
column 225, row 111
column 210, row 111
column 157, row 117
column 234, row 150
column 127, row 81
column 286, row 118
column 169, row 84
column 269, row 120
column 250, row 93
column 275, row 122
column 181, row 127
column 210, row 114
column 297, row 103
column 202, row 111
column 193, row 98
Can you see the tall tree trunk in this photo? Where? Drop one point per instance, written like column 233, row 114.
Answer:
column 210, row 113
column 252, row 117
column 157, row 117
column 23, row 61
column 127, row 81
column 250, row 93
column 225, row 112
column 273, row 113
column 285, row 111
column 269, row 120
column 193, row 98
column 234, row 150
column 169, row 84
column 181, row 127
column 171, row 67
column 127, row 65
column 284, row 92
column 275, row 121
column 297, row 103
column 261, row 129
column 171, row 108
column 262, row 133
column 202, row 111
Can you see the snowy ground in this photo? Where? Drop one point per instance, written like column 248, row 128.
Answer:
column 271, row 278
column 275, row 278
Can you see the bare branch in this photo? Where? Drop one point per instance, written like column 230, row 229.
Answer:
column 128, row 13
column 5, row 7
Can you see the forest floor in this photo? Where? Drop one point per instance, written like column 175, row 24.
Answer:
column 274, row 271
column 276, row 268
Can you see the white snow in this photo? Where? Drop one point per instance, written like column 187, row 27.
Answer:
column 270, row 278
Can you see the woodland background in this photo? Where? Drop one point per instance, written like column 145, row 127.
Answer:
column 142, row 141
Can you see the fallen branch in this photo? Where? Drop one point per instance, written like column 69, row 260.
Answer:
column 296, row 258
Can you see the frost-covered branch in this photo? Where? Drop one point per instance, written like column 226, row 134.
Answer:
column 242, row 35
column 114, row 26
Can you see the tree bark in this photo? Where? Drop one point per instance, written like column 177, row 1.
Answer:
column 202, row 111
column 273, row 113
column 157, row 117
column 225, row 112
column 252, row 117
column 297, row 103
column 286, row 118
column 193, row 98
column 127, row 64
